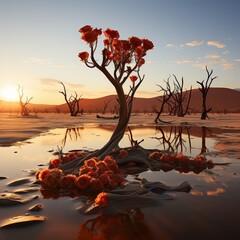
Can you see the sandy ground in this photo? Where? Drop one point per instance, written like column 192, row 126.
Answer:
column 14, row 128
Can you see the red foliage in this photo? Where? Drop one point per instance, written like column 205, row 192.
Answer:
column 102, row 199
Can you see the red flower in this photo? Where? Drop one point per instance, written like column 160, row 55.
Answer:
column 139, row 51
column 55, row 162
column 133, row 78
column 51, row 178
column 126, row 45
column 42, row 175
column 135, row 41
column 83, row 181
column 90, row 162
column 85, row 29
column 155, row 155
column 165, row 158
column 141, row 62
column 147, row 44
column 109, row 160
column 106, row 42
column 102, row 166
column 84, row 169
column 92, row 174
column 102, row 199
column 117, row 45
column 113, row 34
column 96, row 184
column 91, row 36
column 83, row 56
column 104, row 178
column 117, row 178
column 123, row 153
column 67, row 181
column 80, row 153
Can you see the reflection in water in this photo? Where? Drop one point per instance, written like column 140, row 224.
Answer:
column 124, row 226
column 73, row 133
column 173, row 140
column 202, row 208
column 178, row 138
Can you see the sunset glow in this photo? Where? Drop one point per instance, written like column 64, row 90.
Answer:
column 9, row 93
column 45, row 51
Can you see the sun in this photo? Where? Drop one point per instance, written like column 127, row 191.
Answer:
column 9, row 93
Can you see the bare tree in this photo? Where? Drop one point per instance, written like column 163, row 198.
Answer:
column 181, row 97
column 72, row 101
column 167, row 93
column 23, row 105
column 205, row 85
column 105, row 107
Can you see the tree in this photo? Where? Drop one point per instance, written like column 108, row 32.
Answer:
column 72, row 101
column 180, row 97
column 126, row 59
column 167, row 94
column 204, row 88
column 23, row 105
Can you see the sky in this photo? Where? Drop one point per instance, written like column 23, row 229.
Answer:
column 40, row 42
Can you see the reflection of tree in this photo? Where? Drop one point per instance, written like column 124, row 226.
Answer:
column 73, row 133
column 204, row 134
column 127, row 226
column 132, row 141
column 173, row 140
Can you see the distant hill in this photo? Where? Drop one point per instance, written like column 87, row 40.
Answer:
column 219, row 99
column 15, row 107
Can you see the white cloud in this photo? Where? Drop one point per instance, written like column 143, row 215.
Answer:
column 216, row 44
column 170, row 45
column 226, row 52
column 228, row 66
column 174, row 46
column 194, row 43
column 37, row 60
column 49, row 81
column 213, row 56
column 186, row 61
column 237, row 60
column 208, row 63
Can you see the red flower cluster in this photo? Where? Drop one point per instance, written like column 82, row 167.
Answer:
column 55, row 163
column 119, row 51
column 181, row 162
column 95, row 174
column 99, row 174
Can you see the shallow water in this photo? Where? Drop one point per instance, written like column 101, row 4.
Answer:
column 209, row 211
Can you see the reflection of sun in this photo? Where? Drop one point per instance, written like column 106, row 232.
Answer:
column 9, row 93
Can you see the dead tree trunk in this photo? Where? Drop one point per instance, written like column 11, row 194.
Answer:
column 23, row 105
column 180, row 97
column 72, row 101
column 167, row 93
column 204, row 88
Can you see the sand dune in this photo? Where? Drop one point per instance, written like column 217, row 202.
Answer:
column 219, row 99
